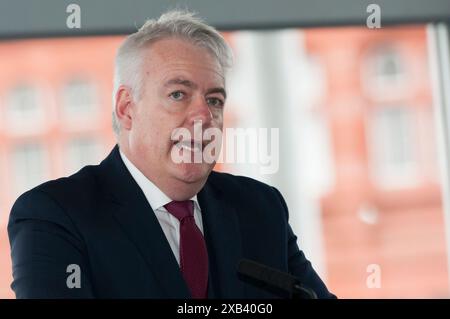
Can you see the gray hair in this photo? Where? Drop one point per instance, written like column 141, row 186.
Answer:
column 175, row 23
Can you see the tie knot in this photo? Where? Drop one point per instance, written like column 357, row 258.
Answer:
column 180, row 209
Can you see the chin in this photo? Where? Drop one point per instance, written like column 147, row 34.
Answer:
column 192, row 173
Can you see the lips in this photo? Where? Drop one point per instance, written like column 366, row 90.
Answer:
column 190, row 145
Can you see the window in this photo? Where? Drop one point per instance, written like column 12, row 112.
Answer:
column 81, row 152
column 385, row 74
column 394, row 160
column 79, row 99
column 24, row 113
column 388, row 66
column 29, row 165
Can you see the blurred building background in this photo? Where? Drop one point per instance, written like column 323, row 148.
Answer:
column 358, row 152
column 384, row 206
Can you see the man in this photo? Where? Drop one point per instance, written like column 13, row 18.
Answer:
column 143, row 224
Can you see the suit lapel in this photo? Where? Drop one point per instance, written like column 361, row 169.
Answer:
column 134, row 214
column 223, row 240
column 132, row 211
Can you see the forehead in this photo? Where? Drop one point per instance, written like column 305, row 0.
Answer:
column 174, row 55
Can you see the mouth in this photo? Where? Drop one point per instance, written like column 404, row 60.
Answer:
column 190, row 145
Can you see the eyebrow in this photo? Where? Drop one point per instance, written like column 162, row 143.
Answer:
column 218, row 90
column 181, row 82
column 192, row 85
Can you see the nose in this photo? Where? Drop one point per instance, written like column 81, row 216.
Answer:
column 200, row 111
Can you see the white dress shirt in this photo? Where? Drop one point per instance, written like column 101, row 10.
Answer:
column 157, row 199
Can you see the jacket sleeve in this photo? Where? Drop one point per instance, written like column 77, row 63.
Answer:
column 299, row 265
column 48, row 258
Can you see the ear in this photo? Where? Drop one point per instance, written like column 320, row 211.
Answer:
column 124, row 105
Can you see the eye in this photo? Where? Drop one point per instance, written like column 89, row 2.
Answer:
column 177, row 95
column 215, row 102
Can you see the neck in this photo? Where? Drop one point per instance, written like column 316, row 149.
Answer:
column 174, row 188
column 179, row 190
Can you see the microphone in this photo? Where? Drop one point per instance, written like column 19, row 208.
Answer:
column 279, row 283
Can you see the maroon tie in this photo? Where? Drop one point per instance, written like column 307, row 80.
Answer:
column 193, row 253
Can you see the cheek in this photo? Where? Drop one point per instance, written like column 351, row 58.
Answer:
column 218, row 121
column 154, row 134
column 141, row 130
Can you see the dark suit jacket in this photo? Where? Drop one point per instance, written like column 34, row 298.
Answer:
column 100, row 220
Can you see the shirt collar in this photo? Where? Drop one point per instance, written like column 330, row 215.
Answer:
column 155, row 197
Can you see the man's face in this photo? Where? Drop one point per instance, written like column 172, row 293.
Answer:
column 182, row 84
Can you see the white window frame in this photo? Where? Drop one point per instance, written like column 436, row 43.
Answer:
column 18, row 124
column 68, row 109
column 439, row 55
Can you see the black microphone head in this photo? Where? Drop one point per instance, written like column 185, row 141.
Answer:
column 279, row 283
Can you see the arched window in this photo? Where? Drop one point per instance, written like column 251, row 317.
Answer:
column 79, row 99
column 385, row 73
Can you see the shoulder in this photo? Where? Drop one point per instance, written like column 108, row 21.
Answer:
column 51, row 199
column 75, row 187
